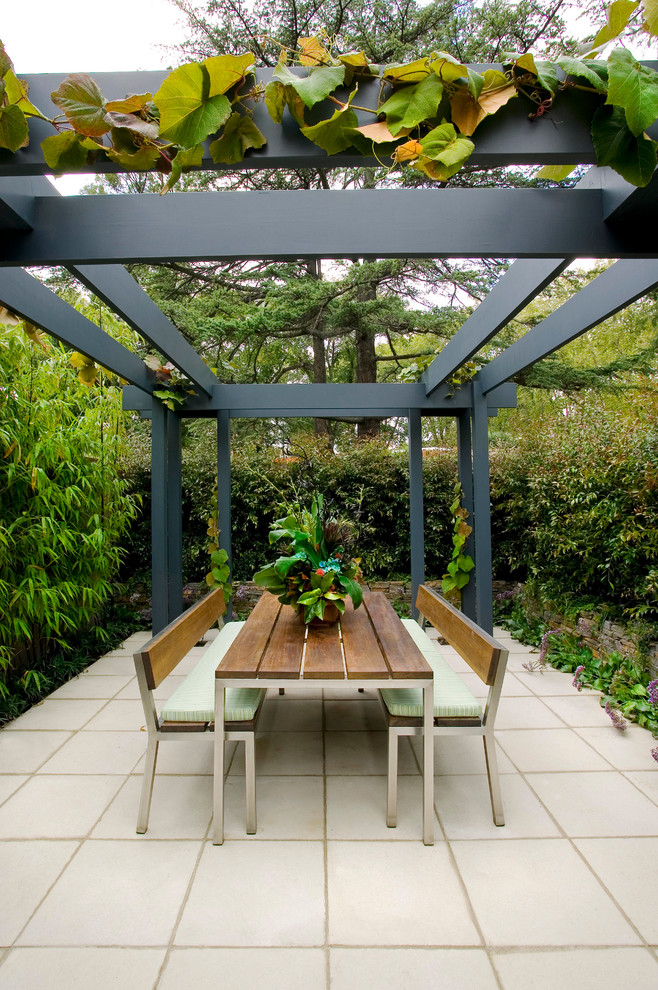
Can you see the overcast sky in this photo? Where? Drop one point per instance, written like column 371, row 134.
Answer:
column 84, row 36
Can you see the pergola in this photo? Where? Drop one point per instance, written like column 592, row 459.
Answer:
column 543, row 230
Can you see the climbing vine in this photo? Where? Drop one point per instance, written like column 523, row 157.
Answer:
column 426, row 116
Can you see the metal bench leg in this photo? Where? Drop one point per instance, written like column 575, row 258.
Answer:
column 250, row 781
column 494, row 782
column 218, row 776
column 392, row 781
column 147, row 784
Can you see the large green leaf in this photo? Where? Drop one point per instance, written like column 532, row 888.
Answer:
column 353, row 589
column 17, row 90
column 239, row 135
column 5, row 62
column 447, row 68
column 650, row 8
column 547, row 76
column 226, row 71
column 64, row 152
column 356, row 62
column 411, row 105
column 275, row 100
column 409, row 72
column 556, row 173
column 315, row 86
column 595, row 73
column 14, row 132
column 185, row 159
column 188, row 113
column 83, row 104
column 131, row 122
column 443, row 152
column 615, row 145
column 334, row 134
column 134, row 159
column 617, row 17
column 634, row 87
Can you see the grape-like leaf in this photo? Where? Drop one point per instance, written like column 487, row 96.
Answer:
column 64, row 152
column 617, row 17
column 412, row 105
column 316, row 85
column 650, row 8
column 313, row 52
column 239, row 135
column 409, row 72
column 133, row 103
column 443, row 152
column 334, row 134
column 556, row 173
column 184, row 160
column 188, row 113
column 595, row 73
column 634, row 87
column 14, row 132
column 81, row 101
column 131, row 122
column 468, row 112
column 5, row 62
column 447, row 68
column 17, row 90
column 633, row 157
column 136, row 160
column 225, row 71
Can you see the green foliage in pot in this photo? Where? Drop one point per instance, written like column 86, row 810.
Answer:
column 316, row 568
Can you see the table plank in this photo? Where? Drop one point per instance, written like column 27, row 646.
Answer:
column 363, row 656
column 244, row 655
column 283, row 654
column 403, row 657
column 324, row 657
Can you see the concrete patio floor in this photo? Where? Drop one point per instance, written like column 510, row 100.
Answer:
column 325, row 897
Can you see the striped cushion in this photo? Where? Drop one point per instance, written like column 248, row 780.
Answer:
column 194, row 700
column 452, row 699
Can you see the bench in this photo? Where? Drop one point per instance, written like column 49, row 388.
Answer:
column 456, row 709
column 190, row 711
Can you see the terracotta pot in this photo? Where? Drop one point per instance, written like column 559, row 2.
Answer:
column 331, row 615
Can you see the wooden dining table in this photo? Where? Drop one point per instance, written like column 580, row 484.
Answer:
column 368, row 648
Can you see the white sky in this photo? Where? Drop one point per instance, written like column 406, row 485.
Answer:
column 86, row 36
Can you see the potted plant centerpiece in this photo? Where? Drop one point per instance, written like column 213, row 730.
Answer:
column 316, row 572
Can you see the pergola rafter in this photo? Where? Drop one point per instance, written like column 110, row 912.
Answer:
column 544, row 228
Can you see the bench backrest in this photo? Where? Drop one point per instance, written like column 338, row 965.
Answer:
column 161, row 654
column 480, row 650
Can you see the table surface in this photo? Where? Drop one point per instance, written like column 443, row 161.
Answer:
column 369, row 643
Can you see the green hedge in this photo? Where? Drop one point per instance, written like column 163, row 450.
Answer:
column 574, row 505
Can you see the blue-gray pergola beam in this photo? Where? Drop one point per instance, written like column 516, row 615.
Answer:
column 481, row 512
column 27, row 297
column 111, row 283
column 166, row 517
column 117, row 287
column 465, row 474
column 511, row 293
column 416, row 524
column 348, row 399
column 224, row 491
column 605, row 295
column 418, row 223
column 512, row 138
column 622, row 202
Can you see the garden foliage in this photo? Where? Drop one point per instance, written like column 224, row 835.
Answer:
column 63, row 510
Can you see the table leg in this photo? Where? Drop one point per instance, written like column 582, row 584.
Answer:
column 218, row 777
column 428, row 765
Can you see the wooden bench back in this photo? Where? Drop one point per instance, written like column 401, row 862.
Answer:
column 480, row 650
column 161, row 654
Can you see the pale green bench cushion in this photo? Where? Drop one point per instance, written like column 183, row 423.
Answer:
column 452, row 698
column 194, row 699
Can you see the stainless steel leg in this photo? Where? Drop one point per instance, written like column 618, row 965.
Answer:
column 250, row 781
column 147, row 784
column 428, row 765
column 218, row 779
column 392, row 781
column 494, row 781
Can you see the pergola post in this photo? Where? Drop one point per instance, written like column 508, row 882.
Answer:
column 166, row 524
column 465, row 474
column 224, row 489
column 481, row 511
column 416, row 522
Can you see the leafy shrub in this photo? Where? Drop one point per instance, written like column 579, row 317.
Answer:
column 63, row 511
